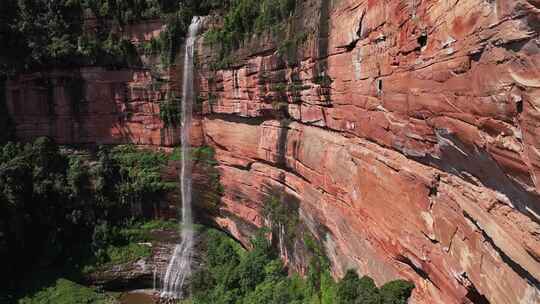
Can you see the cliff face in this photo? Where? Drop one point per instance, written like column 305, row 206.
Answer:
column 405, row 130
column 117, row 107
column 409, row 139
column 98, row 105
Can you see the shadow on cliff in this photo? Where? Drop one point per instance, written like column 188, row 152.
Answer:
column 479, row 168
column 282, row 143
column 320, row 68
column 297, row 241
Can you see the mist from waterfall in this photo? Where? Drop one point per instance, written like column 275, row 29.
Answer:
column 179, row 268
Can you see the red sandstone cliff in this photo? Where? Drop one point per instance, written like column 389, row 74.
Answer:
column 411, row 140
column 409, row 137
column 99, row 105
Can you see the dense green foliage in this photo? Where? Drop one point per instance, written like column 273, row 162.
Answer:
column 231, row 275
column 58, row 203
column 118, row 244
column 123, row 12
column 169, row 112
column 245, row 17
column 281, row 211
column 44, row 33
column 352, row 290
column 67, row 292
column 37, row 31
column 140, row 175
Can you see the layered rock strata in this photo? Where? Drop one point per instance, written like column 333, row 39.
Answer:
column 99, row 105
column 407, row 132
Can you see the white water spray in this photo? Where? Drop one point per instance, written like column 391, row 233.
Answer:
column 154, row 279
column 179, row 268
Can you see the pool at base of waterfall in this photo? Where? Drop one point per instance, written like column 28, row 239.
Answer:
column 139, row 297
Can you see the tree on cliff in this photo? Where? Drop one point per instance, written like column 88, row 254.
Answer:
column 355, row 290
column 49, row 29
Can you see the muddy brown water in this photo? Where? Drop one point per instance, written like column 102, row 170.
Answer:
column 137, row 298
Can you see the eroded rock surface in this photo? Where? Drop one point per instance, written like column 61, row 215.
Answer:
column 407, row 130
column 143, row 273
column 100, row 105
column 409, row 138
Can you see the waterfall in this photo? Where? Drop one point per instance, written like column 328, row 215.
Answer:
column 179, row 268
column 154, row 279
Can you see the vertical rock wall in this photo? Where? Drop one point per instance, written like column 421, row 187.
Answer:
column 99, row 105
column 407, row 130
column 89, row 106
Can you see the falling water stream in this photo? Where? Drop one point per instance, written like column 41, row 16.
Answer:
column 179, row 268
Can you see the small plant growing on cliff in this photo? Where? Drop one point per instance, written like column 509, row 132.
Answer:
column 279, row 87
column 295, row 90
column 323, row 80
column 288, row 48
column 169, row 113
column 281, row 211
column 279, row 106
column 222, row 64
column 212, row 98
column 152, row 46
column 245, row 17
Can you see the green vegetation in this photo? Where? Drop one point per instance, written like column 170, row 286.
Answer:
column 169, row 112
column 208, row 197
column 232, row 275
column 140, row 175
column 245, row 17
column 212, row 98
column 176, row 15
column 119, row 244
column 63, row 204
column 204, row 154
column 114, row 255
column 295, row 90
column 124, row 12
column 44, row 33
column 225, row 62
column 67, row 292
column 279, row 87
column 323, row 80
column 111, row 245
column 77, row 211
column 282, row 213
column 289, row 47
column 353, row 289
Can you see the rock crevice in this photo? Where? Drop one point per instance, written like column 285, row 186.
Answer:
column 408, row 134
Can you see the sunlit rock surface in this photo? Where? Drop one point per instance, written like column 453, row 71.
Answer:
column 411, row 141
column 407, row 130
